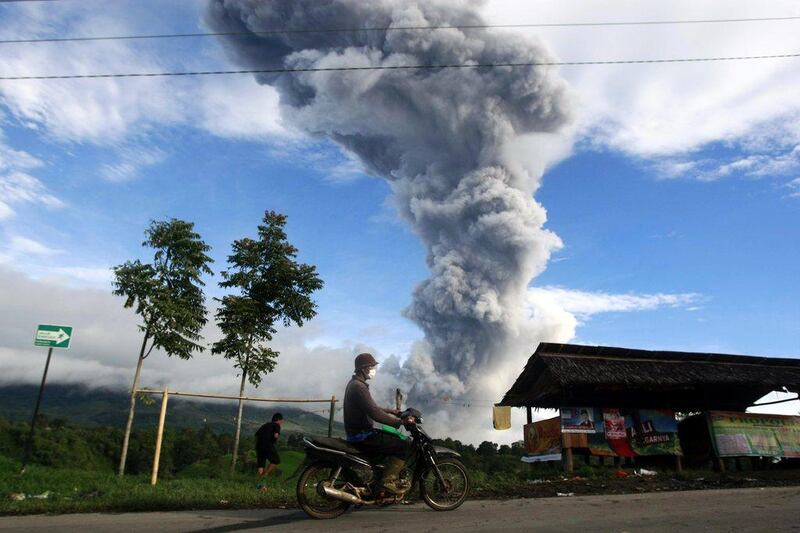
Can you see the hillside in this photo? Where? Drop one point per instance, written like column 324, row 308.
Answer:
column 102, row 407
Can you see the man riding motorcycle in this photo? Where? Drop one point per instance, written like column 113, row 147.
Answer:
column 360, row 414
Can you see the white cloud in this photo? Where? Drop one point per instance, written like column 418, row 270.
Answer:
column 333, row 163
column 11, row 159
column 108, row 112
column 766, row 162
column 659, row 110
column 16, row 184
column 79, row 275
column 106, row 339
column 584, row 304
column 131, row 160
column 19, row 187
column 26, row 246
column 794, row 188
column 238, row 107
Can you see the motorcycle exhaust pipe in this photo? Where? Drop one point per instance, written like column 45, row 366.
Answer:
column 337, row 494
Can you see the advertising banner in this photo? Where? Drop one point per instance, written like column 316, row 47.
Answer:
column 543, row 440
column 626, row 432
column 752, row 434
column 579, row 420
column 633, row 432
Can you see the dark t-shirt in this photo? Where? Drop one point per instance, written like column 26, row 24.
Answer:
column 265, row 436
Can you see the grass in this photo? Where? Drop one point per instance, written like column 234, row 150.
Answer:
column 74, row 491
column 210, row 486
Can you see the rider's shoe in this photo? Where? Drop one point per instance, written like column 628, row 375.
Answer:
column 391, row 480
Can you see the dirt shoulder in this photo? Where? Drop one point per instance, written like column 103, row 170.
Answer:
column 632, row 483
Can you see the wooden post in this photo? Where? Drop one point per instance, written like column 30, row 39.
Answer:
column 159, row 435
column 570, row 464
column 678, row 464
column 721, row 464
column 530, row 415
column 330, row 419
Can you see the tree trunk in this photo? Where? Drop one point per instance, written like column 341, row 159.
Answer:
column 238, row 423
column 124, row 455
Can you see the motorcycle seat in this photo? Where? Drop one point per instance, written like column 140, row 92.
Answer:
column 336, row 444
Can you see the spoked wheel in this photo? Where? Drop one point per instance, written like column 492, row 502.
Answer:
column 450, row 494
column 311, row 499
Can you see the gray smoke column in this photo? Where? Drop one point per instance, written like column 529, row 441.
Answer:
column 462, row 149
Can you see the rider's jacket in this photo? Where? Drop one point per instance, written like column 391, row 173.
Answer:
column 360, row 410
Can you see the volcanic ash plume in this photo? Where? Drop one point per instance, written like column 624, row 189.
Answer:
column 462, row 149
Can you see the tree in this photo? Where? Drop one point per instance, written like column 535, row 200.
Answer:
column 271, row 288
column 167, row 294
column 487, row 449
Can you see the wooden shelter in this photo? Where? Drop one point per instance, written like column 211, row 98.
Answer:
column 571, row 375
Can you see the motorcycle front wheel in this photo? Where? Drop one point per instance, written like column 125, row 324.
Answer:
column 449, row 492
column 309, row 497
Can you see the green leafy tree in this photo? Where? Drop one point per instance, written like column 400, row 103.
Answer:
column 271, row 288
column 167, row 294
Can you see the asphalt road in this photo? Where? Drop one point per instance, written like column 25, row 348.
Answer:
column 768, row 509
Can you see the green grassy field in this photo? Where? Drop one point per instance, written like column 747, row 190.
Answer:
column 61, row 490
column 49, row 489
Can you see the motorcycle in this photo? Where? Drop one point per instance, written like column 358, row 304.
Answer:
column 336, row 475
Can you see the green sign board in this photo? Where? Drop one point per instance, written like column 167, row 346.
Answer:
column 51, row 336
column 755, row 434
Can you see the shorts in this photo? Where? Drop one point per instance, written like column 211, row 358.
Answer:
column 268, row 453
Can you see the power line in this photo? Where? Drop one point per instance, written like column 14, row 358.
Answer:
column 395, row 28
column 396, row 67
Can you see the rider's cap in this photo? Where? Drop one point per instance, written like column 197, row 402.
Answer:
column 364, row 360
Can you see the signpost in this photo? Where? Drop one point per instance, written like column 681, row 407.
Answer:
column 53, row 336
column 48, row 336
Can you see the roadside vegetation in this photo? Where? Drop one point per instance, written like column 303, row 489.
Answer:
column 73, row 470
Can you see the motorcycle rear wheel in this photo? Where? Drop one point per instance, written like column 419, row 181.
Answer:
column 314, row 504
column 455, row 491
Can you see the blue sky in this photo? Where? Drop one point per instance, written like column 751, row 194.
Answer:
column 731, row 241
column 678, row 203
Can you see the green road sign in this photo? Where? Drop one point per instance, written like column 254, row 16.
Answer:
column 53, row 336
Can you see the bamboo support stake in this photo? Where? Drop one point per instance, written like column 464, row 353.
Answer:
column 330, row 418
column 159, row 435
column 227, row 397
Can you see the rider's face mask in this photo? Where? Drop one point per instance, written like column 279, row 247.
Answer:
column 372, row 372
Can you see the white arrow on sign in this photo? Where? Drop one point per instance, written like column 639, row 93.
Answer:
column 62, row 336
column 59, row 336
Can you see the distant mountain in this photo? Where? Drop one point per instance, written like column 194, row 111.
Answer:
column 102, row 407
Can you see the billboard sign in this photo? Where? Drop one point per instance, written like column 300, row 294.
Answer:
column 752, row 434
column 543, row 440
